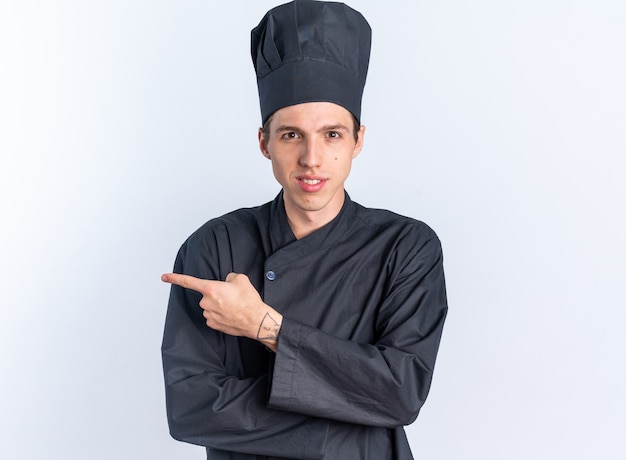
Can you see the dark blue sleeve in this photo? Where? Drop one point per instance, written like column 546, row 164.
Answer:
column 377, row 384
column 207, row 403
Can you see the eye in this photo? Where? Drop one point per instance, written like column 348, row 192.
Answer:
column 333, row 134
column 290, row 135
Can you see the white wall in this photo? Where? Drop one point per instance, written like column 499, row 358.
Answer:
column 124, row 125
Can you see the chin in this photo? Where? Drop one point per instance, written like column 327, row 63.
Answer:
column 312, row 205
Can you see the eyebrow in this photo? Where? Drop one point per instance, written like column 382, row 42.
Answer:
column 284, row 128
column 336, row 127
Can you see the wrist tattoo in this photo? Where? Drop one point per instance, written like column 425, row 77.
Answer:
column 268, row 329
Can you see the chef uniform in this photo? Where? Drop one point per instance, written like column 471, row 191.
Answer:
column 363, row 298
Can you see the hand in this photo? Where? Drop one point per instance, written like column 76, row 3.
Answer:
column 234, row 307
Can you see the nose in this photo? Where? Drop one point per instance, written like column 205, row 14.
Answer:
column 311, row 155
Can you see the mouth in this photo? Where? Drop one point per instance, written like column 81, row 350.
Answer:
column 311, row 184
column 311, row 181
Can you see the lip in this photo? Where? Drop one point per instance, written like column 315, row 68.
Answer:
column 311, row 184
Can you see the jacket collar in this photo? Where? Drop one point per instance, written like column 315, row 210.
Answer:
column 282, row 237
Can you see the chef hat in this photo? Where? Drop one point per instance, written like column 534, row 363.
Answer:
column 310, row 51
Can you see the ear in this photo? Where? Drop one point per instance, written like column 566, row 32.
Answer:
column 263, row 144
column 359, row 142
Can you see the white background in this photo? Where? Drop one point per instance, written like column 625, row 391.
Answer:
column 124, row 125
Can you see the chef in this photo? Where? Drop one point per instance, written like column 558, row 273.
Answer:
column 306, row 327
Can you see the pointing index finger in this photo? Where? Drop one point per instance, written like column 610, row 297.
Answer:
column 186, row 281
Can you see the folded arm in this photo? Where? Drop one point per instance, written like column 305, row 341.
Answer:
column 379, row 384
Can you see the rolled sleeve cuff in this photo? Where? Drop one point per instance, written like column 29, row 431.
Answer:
column 284, row 368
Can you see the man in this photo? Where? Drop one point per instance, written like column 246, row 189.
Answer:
column 305, row 328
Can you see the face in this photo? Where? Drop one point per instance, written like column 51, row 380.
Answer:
column 311, row 147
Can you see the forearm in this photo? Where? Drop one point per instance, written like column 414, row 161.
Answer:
column 324, row 376
column 269, row 329
column 210, row 403
column 231, row 414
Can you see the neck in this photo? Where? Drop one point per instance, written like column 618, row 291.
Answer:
column 304, row 222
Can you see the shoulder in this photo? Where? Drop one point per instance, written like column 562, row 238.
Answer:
column 410, row 245
column 382, row 220
column 232, row 225
column 209, row 251
column 407, row 242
